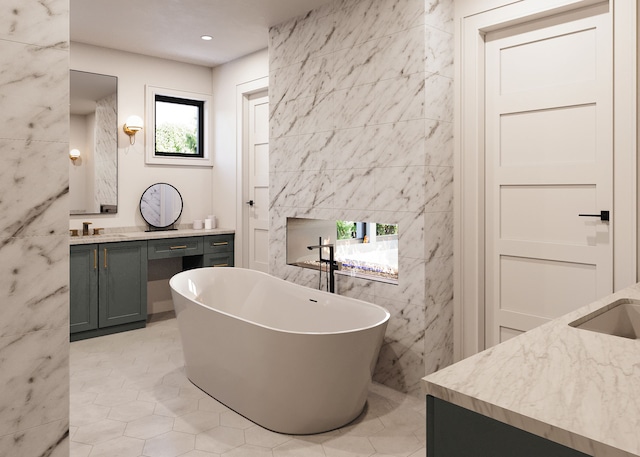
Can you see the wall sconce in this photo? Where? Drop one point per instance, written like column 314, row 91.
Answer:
column 74, row 154
column 132, row 126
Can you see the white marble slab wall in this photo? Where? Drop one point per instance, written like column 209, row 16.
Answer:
column 34, row 303
column 361, row 129
column 106, row 152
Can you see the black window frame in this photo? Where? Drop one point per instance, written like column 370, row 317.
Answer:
column 201, row 132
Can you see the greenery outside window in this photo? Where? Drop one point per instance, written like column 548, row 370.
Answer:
column 177, row 128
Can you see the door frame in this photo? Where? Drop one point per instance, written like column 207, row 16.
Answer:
column 473, row 20
column 243, row 92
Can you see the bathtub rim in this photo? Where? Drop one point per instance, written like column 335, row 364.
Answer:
column 378, row 323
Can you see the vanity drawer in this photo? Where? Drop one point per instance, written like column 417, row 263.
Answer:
column 218, row 243
column 175, row 247
column 224, row 259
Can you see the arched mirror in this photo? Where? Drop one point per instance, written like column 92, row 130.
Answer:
column 161, row 206
column 93, row 168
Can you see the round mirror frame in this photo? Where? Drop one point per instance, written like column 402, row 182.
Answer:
column 153, row 225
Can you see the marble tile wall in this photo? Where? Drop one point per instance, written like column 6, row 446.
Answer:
column 361, row 129
column 34, row 304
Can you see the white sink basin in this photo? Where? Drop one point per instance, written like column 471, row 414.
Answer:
column 621, row 318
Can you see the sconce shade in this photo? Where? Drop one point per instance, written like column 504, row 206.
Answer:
column 74, row 154
column 132, row 125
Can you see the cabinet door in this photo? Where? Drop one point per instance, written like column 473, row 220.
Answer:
column 83, row 288
column 123, row 283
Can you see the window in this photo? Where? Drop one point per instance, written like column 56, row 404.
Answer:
column 178, row 126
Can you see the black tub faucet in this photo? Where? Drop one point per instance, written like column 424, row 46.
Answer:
column 333, row 266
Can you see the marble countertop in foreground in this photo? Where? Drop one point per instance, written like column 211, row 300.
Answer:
column 124, row 235
column 572, row 386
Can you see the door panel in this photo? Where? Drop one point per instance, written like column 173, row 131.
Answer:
column 549, row 149
column 258, row 182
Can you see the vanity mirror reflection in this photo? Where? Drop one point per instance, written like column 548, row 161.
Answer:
column 161, row 206
column 93, row 172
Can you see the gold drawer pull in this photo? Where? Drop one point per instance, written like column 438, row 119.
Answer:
column 95, row 259
column 105, row 257
column 179, row 247
column 221, row 265
column 221, row 243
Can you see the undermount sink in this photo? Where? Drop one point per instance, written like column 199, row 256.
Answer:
column 620, row 318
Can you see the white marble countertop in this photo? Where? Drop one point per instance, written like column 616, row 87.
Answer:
column 576, row 387
column 136, row 235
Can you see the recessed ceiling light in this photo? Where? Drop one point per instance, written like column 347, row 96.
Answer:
column 207, row 37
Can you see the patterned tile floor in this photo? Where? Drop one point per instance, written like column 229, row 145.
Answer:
column 131, row 398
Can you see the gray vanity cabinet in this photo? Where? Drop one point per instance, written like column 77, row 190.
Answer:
column 218, row 251
column 83, row 289
column 108, row 288
column 459, row 432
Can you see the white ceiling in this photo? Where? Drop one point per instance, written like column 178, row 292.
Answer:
column 171, row 29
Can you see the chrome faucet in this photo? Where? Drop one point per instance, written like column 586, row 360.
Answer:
column 333, row 266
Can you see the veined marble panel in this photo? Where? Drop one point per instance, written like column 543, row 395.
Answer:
column 400, row 144
column 438, row 336
column 358, row 65
column 282, row 152
column 34, row 301
column 354, row 148
column 410, row 288
column 34, row 83
column 439, row 189
column 308, row 189
column 400, row 99
column 317, row 35
column 439, row 280
column 316, row 151
column 403, row 15
column 438, row 92
column 283, row 118
column 42, row 23
column 439, row 143
column 35, row 372
column 402, row 53
column 284, row 42
column 315, row 113
column 402, row 355
column 354, row 107
column 51, row 440
column 356, row 21
column 284, row 83
column 439, row 14
column 315, row 76
column 438, row 52
column 401, row 188
column 439, row 226
column 36, row 188
column 354, row 189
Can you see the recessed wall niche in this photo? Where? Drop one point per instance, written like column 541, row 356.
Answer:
column 363, row 249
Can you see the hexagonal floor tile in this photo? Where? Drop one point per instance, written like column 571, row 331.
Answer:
column 149, row 426
column 220, row 439
column 170, row 444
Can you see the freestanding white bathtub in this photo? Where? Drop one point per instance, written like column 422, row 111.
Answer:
column 292, row 359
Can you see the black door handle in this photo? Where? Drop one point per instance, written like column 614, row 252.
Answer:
column 604, row 215
column 250, row 203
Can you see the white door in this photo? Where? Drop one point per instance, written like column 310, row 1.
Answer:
column 257, row 179
column 549, row 158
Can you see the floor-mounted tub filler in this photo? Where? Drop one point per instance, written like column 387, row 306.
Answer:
column 292, row 359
